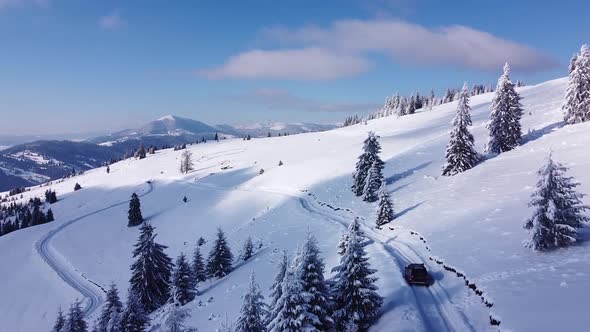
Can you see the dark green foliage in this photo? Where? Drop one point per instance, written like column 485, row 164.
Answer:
column 219, row 263
column 135, row 218
column 183, row 281
column 151, row 271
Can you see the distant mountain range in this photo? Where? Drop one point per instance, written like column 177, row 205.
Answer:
column 39, row 161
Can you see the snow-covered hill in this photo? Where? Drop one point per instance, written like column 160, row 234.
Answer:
column 471, row 223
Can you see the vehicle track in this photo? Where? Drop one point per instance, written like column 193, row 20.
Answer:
column 434, row 306
column 90, row 290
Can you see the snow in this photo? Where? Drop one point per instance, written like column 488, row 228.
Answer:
column 471, row 222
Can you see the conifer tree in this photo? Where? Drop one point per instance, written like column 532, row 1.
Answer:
column 355, row 298
column 134, row 317
column 291, row 312
column 352, row 227
column 385, row 212
column 558, row 209
column 50, row 216
column 276, row 290
column 374, row 181
column 577, row 95
column 253, row 310
column 151, row 270
column 182, row 281
column 365, row 161
column 248, row 250
column 198, row 267
column 75, row 320
column 111, row 310
column 315, row 289
column 504, row 124
column 135, row 218
column 219, row 263
column 175, row 316
column 59, row 322
column 461, row 154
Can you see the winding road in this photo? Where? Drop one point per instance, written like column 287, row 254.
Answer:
column 91, row 291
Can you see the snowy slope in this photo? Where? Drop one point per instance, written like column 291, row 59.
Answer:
column 472, row 222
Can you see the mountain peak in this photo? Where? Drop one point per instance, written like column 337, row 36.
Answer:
column 168, row 117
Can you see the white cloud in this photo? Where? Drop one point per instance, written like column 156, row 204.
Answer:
column 310, row 63
column 405, row 42
column 279, row 99
column 112, row 21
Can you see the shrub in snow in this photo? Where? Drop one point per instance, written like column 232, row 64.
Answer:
column 577, row 96
column 77, row 186
column 151, row 270
column 134, row 216
column 504, row 124
column 558, row 209
column 461, row 154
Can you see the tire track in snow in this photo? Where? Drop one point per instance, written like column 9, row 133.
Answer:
column 435, row 313
column 90, row 290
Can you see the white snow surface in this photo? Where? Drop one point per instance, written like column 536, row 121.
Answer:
column 471, row 221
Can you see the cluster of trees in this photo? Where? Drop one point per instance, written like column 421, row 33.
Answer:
column 368, row 181
column 504, row 127
column 157, row 283
column 478, row 89
column 302, row 300
column 50, row 196
column 352, row 120
column 15, row 216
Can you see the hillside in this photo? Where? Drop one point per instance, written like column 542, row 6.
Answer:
column 472, row 222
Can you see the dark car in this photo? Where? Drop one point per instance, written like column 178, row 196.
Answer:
column 416, row 274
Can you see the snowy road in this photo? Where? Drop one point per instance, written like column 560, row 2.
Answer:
column 435, row 307
column 91, row 291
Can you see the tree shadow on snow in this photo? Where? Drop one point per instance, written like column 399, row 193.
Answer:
column 538, row 133
column 404, row 174
column 408, row 209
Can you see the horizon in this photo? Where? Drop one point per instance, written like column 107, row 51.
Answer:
column 109, row 66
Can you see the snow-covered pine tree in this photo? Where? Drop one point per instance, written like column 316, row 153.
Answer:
column 352, row 227
column 175, row 316
column 291, row 312
column 140, row 153
column 315, row 289
column 248, row 249
column 276, row 290
column 558, row 209
column 135, row 218
column 577, row 95
column 134, row 317
column 182, row 281
column 370, row 154
column 198, row 267
column 253, row 311
column 355, row 296
column 572, row 64
column 504, row 124
column 374, row 181
column 151, row 271
column 111, row 310
column 385, row 212
column 461, row 154
column 186, row 162
column 59, row 321
column 220, row 260
column 75, row 320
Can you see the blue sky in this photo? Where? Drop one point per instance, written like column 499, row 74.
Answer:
column 80, row 65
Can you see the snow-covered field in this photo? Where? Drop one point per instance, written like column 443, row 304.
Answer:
column 472, row 222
